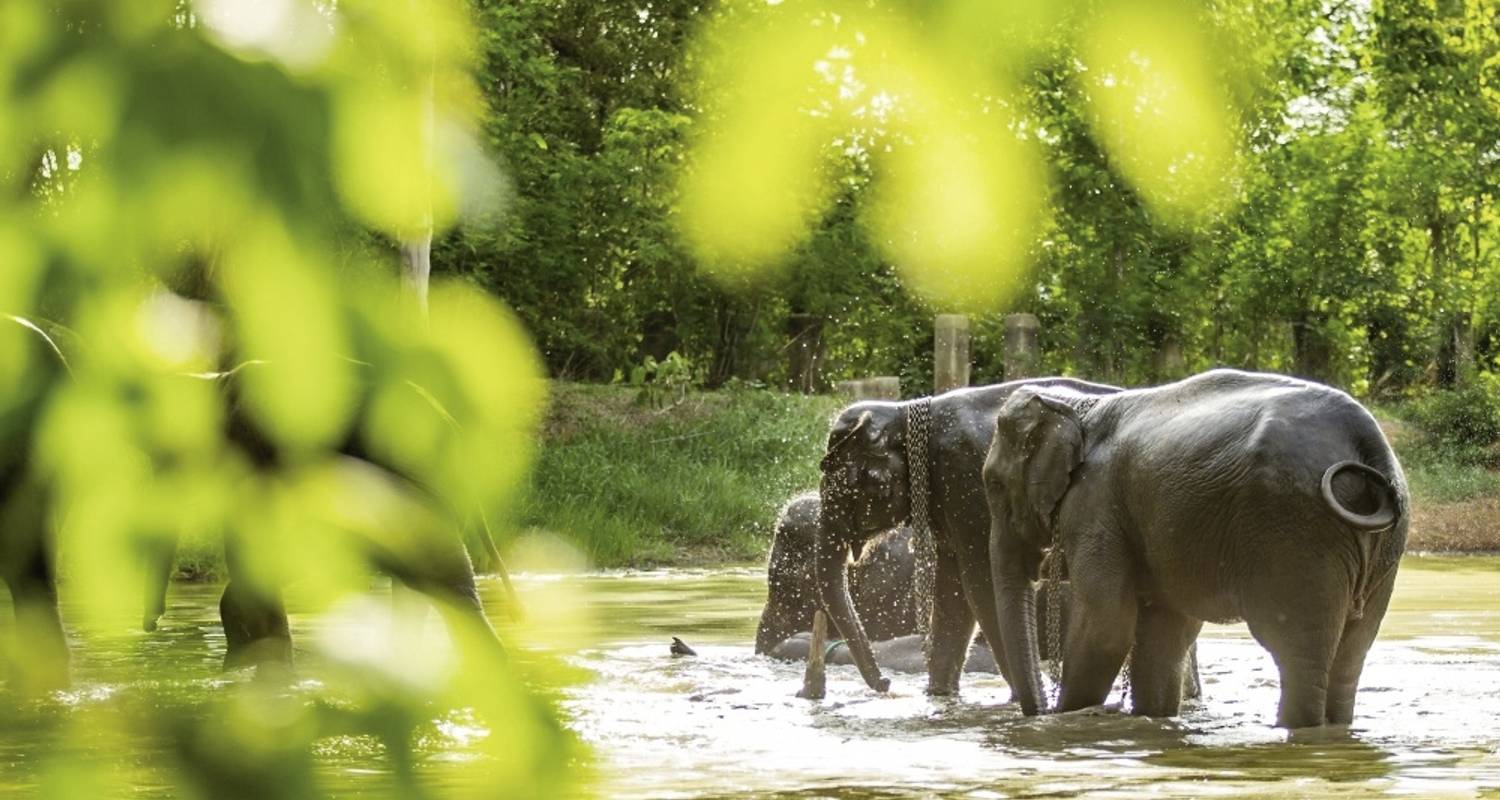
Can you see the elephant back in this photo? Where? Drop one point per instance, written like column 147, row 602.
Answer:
column 882, row 582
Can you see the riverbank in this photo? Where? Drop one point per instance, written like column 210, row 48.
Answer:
column 1455, row 505
column 700, row 482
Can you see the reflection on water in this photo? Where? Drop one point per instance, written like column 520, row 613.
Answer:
column 726, row 723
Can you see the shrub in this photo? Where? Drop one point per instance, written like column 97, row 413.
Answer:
column 1464, row 424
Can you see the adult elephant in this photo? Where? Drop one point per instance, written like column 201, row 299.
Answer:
column 40, row 660
column 1227, row 496
column 918, row 461
column 880, row 580
column 420, row 545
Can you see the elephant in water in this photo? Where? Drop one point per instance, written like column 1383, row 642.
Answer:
column 26, row 544
column 1226, row 496
column 901, row 654
column 432, row 560
column 873, row 477
column 880, row 579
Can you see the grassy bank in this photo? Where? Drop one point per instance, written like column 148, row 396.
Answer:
column 697, row 482
column 1455, row 501
column 700, row 482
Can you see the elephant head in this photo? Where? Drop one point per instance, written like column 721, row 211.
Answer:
column 1039, row 440
column 791, row 592
column 863, row 491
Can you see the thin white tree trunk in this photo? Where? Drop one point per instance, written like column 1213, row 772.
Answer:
column 416, row 245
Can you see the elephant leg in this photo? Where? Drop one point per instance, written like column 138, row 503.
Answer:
column 1302, row 635
column 41, row 663
column 1192, row 682
column 1101, row 622
column 1162, row 640
column 41, row 660
column 952, row 628
column 256, row 630
column 1349, row 659
column 448, row 579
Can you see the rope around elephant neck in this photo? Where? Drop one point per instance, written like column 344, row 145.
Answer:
column 924, row 551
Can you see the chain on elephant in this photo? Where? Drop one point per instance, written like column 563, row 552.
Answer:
column 1056, row 572
column 918, row 423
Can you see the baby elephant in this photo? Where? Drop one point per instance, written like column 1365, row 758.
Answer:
column 880, row 580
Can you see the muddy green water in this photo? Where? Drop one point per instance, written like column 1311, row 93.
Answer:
column 727, row 724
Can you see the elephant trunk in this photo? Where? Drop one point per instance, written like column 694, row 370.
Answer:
column 1017, row 609
column 833, row 589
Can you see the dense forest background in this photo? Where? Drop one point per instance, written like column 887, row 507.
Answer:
column 1360, row 249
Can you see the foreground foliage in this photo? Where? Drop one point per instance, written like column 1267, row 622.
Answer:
column 239, row 153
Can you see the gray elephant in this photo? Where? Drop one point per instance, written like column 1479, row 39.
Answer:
column 26, row 543
column 256, row 628
column 1227, row 496
column 880, row 580
column 918, row 461
column 901, row 654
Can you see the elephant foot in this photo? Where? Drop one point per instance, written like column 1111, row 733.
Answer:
column 273, row 652
column 944, row 689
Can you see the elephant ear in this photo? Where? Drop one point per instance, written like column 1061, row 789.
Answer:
column 1055, row 448
column 845, row 430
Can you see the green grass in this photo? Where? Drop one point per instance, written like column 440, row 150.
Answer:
column 701, row 481
column 1434, row 480
column 1436, row 473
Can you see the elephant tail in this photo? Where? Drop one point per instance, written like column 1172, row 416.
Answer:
column 1361, row 497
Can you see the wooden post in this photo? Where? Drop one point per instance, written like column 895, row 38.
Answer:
column 883, row 387
column 815, row 680
column 1021, row 350
column 950, row 352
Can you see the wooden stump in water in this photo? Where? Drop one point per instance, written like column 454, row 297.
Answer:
column 814, row 681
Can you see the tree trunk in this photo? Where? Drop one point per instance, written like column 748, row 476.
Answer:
column 805, row 352
column 416, row 244
column 1312, row 350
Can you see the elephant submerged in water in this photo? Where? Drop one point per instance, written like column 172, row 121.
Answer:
column 880, row 581
column 1227, row 496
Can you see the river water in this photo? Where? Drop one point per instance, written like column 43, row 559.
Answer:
column 727, row 723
